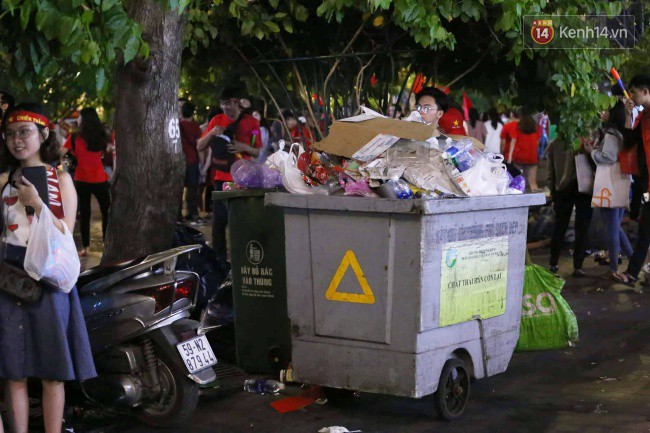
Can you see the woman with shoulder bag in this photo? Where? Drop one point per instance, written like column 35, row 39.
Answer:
column 605, row 152
column 45, row 338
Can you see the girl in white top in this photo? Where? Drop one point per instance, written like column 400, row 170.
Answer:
column 494, row 127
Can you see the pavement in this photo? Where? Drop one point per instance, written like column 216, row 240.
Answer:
column 600, row 386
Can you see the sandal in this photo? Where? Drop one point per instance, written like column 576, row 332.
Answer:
column 629, row 279
column 619, row 278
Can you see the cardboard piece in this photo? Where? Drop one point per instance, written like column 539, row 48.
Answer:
column 346, row 138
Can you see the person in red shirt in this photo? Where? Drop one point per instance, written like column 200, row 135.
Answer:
column 90, row 178
column 508, row 132
column 190, row 133
column 523, row 149
column 246, row 144
column 300, row 133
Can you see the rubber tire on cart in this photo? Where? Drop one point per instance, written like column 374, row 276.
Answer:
column 179, row 399
column 453, row 390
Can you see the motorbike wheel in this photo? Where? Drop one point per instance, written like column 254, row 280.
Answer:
column 176, row 402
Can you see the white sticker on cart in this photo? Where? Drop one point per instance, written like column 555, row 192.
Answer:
column 474, row 277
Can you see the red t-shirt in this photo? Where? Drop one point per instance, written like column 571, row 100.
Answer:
column 525, row 148
column 451, row 122
column 90, row 168
column 305, row 136
column 190, row 133
column 508, row 132
column 248, row 131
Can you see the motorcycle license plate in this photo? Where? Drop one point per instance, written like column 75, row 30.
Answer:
column 197, row 354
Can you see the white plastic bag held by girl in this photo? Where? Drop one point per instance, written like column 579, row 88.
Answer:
column 51, row 256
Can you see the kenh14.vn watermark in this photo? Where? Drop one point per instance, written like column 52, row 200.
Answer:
column 579, row 31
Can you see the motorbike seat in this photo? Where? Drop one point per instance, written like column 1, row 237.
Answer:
column 103, row 270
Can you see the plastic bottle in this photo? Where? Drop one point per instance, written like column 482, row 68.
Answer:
column 400, row 187
column 464, row 161
column 260, row 386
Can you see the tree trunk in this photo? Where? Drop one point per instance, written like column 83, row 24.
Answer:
column 150, row 166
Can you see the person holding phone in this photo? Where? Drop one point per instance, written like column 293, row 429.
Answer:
column 45, row 339
column 90, row 178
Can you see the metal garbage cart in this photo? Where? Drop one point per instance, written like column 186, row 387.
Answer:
column 399, row 296
column 262, row 330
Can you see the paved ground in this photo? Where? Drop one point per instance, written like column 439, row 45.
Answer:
column 602, row 385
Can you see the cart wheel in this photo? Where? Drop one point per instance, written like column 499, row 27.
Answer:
column 453, row 390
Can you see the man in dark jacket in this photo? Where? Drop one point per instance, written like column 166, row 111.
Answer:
column 637, row 134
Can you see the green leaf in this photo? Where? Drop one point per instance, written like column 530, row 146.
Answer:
column 288, row 25
column 274, row 3
column 101, row 79
column 25, row 13
column 272, row 26
column 87, row 17
column 67, row 25
column 131, row 49
column 247, row 27
column 144, row 50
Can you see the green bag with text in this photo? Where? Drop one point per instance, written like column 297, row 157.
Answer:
column 547, row 321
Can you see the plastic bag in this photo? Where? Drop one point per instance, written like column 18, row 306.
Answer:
column 51, row 256
column 276, row 160
column 357, row 188
column 251, row 174
column 547, row 321
column 292, row 177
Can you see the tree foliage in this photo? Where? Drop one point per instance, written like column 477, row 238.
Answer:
column 47, row 43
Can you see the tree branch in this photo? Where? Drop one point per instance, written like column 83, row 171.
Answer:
column 302, row 89
column 360, row 79
column 268, row 91
column 336, row 63
column 466, row 72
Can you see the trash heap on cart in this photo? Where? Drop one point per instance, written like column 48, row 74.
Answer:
column 373, row 156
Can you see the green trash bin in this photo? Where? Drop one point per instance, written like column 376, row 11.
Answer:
column 257, row 255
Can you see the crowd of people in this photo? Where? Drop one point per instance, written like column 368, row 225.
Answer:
column 616, row 153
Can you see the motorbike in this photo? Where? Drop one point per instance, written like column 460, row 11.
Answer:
column 151, row 357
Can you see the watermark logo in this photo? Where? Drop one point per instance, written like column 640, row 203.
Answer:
column 579, row 32
column 542, row 31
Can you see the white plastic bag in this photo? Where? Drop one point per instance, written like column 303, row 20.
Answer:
column 277, row 159
column 51, row 256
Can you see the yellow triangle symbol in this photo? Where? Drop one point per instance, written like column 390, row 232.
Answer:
column 366, row 298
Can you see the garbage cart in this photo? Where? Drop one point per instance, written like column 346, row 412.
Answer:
column 262, row 330
column 404, row 297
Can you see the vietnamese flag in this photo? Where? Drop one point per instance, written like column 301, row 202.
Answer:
column 467, row 104
column 373, row 80
column 418, row 83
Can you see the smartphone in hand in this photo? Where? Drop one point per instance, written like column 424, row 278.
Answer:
column 38, row 177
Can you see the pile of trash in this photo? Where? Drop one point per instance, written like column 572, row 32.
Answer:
column 373, row 156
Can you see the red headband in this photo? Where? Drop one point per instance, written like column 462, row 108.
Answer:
column 28, row 116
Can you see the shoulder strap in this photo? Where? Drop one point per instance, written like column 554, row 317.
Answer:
column 54, row 193
column 74, row 140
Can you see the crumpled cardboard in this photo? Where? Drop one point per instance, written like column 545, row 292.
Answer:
column 370, row 134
